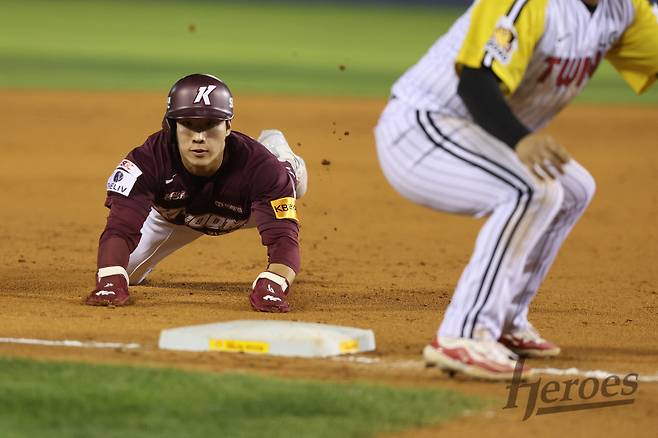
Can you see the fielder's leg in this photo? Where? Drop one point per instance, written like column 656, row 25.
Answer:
column 453, row 165
column 439, row 163
column 488, row 284
column 159, row 239
column 579, row 188
column 276, row 143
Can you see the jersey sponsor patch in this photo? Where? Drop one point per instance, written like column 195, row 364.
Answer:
column 284, row 208
column 129, row 167
column 123, row 178
column 504, row 41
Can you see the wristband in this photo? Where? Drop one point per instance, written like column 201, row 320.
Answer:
column 113, row 270
column 276, row 278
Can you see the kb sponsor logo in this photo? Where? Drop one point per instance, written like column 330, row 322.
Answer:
column 118, row 176
column 282, row 208
column 557, row 396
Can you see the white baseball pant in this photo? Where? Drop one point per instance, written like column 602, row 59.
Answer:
column 160, row 238
column 451, row 164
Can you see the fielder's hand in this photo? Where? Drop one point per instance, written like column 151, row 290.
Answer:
column 270, row 293
column 544, row 157
column 111, row 288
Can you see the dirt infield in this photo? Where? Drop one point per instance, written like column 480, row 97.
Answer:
column 370, row 258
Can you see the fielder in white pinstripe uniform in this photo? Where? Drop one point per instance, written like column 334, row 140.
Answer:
column 459, row 136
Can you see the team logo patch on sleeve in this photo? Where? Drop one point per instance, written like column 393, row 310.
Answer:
column 504, row 41
column 284, row 208
column 123, row 178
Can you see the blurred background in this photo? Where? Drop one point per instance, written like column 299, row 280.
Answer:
column 355, row 48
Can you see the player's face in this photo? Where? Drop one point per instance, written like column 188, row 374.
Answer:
column 201, row 144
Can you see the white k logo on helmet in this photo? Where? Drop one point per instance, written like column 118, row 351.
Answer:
column 204, row 93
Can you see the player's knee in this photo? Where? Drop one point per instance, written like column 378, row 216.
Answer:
column 588, row 188
column 547, row 194
column 580, row 190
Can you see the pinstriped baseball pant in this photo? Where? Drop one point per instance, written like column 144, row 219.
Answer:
column 451, row 164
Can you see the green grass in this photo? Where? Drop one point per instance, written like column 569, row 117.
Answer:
column 257, row 47
column 47, row 399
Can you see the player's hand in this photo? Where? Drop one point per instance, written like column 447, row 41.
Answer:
column 544, row 156
column 111, row 290
column 269, row 293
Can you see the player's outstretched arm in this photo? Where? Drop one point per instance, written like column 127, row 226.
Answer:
column 111, row 278
column 271, row 287
column 275, row 213
column 119, row 239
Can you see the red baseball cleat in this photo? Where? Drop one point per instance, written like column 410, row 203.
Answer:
column 487, row 360
column 528, row 343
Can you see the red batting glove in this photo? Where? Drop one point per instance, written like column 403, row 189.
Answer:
column 270, row 293
column 111, row 288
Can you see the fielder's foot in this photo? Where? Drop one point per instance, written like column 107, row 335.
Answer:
column 486, row 360
column 276, row 143
column 110, row 291
column 528, row 343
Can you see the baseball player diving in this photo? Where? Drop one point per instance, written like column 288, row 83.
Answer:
column 459, row 135
column 196, row 176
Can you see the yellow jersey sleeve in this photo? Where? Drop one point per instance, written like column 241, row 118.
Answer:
column 502, row 36
column 635, row 55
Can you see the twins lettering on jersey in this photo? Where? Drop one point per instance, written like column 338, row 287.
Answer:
column 123, row 178
column 570, row 70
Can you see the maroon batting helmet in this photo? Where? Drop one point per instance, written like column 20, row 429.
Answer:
column 199, row 96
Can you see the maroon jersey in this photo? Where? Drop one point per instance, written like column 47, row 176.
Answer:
column 250, row 182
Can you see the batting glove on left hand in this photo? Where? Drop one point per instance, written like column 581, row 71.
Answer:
column 270, row 293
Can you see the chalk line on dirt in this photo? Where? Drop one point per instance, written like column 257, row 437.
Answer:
column 360, row 360
column 69, row 343
column 418, row 364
